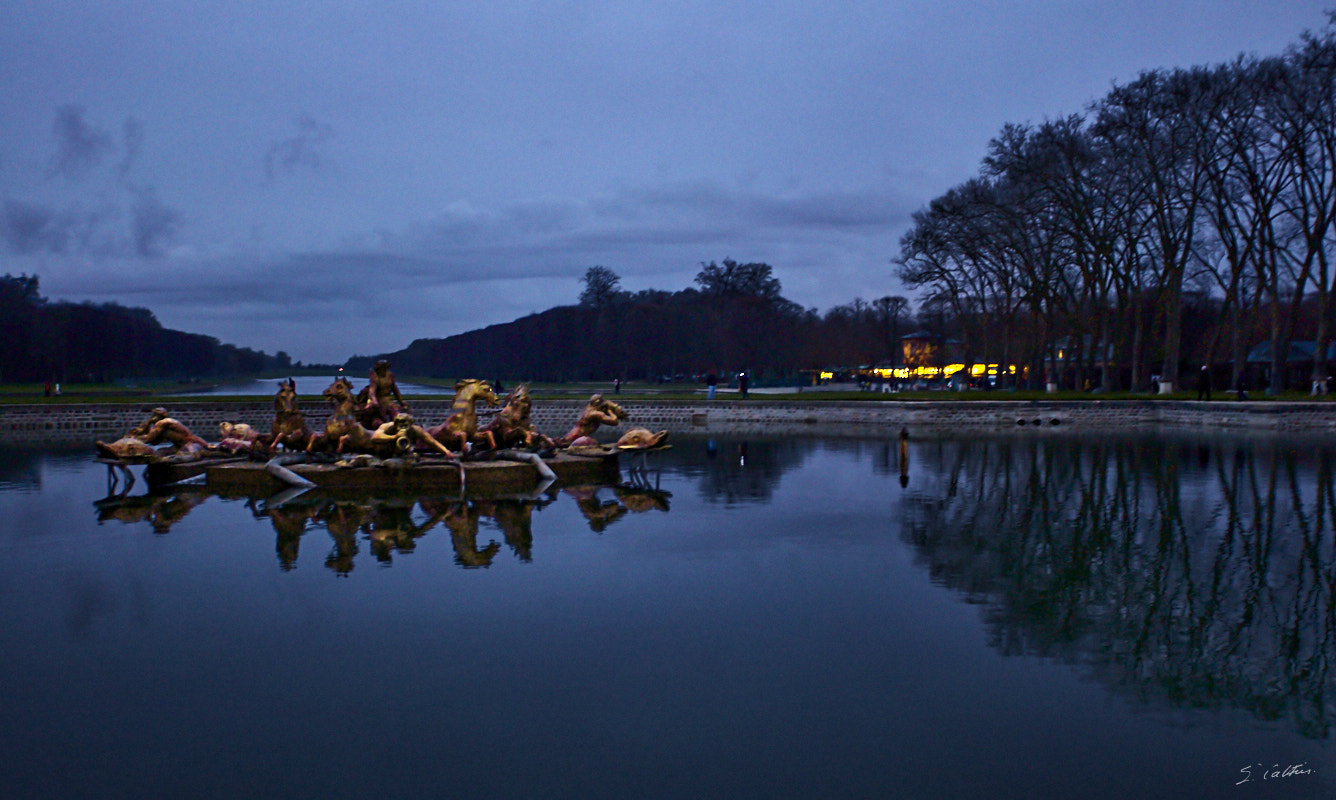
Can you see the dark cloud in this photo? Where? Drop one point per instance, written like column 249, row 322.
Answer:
column 118, row 218
column 795, row 211
column 79, row 146
column 835, row 211
column 153, row 224
column 700, row 215
column 30, row 228
column 300, row 151
column 469, row 267
column 133, row 134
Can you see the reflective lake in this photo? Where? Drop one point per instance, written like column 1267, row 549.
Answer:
column 1022, row 618
column 307, row 386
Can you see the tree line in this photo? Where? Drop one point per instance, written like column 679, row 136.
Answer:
column 734, row 318
column 77, row 342
column 1182, row 217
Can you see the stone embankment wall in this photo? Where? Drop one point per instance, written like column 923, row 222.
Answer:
column 38, row 423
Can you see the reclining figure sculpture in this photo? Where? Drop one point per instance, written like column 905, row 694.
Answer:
column 596, row 412
column 399, row 437
column 158, row 428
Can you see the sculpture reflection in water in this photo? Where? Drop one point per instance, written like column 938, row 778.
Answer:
column 391, row 525
column 160, row 510
column 1197, row 575
column 639, row 494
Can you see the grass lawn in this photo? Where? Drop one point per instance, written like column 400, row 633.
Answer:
column 165, row 391
column 145, row 390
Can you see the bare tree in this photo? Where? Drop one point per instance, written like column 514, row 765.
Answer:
column 1150, row 133
column 890, row 313
column 1304, row 105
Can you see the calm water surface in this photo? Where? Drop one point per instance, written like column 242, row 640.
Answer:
column 1022, row 618
column 308, row 386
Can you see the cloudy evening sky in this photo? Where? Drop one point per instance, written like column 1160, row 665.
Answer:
column 334, row 177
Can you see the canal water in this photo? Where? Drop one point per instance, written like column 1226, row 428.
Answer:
column 1140, row 616
column 307, row 386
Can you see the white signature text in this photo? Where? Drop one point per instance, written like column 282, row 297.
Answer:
column 1275, row 771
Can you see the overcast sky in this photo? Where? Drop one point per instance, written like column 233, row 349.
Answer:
column 331, row 177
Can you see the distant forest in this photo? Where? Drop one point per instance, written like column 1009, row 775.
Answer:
column 78, row 342
column 733, row 319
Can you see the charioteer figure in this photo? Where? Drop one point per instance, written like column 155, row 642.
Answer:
column 383, row 401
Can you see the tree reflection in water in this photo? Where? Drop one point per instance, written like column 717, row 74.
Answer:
column 21, row 469
column 1198, row 573
column 736, row 472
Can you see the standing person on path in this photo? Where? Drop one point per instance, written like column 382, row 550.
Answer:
column 1204, row 383
column 742, row 383
column 712, row 384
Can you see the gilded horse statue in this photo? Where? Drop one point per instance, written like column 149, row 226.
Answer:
column 462, row 425
column 289, row 427
column 342, row 419
column 511, row 426
column 396, row 437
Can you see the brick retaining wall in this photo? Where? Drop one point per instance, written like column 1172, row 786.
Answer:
column 38, row 423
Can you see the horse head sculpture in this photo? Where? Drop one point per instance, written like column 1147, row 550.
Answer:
column 461, row 427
